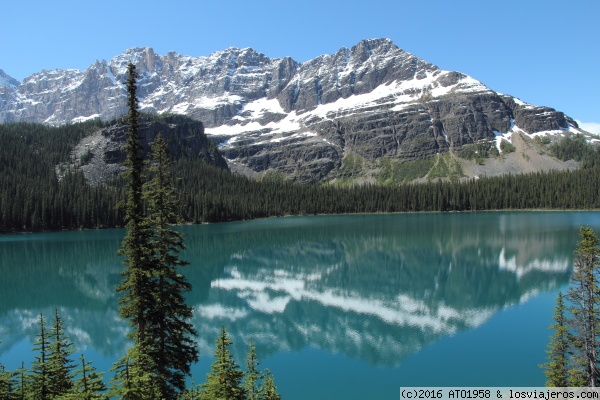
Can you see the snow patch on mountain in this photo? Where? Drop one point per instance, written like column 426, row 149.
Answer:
column 396, row 96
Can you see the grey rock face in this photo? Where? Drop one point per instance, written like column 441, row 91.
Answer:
column 8, row 94
column 348, row 72
column 101, row 155
column 300, row 158
column 374, row 100
column 537, row 119
column 7, row 80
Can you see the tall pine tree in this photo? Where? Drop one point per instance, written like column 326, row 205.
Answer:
column 170, row 334
column 40, row 380
column 557, row 367
column 153, row 289
column 137, row 298
column 584, row 300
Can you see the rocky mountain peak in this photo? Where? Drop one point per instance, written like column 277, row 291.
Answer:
column 305, row 120
column 144, row 58
column 358, row 70
column 366, row 48
column 7, row 80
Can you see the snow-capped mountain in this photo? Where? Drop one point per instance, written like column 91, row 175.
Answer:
column 301, row 119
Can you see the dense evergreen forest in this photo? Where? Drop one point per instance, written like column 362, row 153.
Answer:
column 33, row 199
column 31, row 196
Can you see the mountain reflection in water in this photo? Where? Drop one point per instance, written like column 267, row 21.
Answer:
column 373, row 287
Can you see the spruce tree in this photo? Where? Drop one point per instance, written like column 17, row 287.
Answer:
column 59, row 364
column 253, row 375
column 169, row 332
column 268, row 390
column 224, row 379
column 584, row 300
column 135, row 248
column 557, row 367
column 89, row 384
column 40, row 380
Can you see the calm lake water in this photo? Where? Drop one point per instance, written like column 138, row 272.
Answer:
column 346, row 307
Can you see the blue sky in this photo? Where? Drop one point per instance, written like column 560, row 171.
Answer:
column 544, row 52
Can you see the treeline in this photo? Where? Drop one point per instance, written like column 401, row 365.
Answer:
column 33, row 199
column 217, row 195
column 55, row 374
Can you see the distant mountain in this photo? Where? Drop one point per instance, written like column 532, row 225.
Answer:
column 334, row 117
column 8, row 90
column 8, row 81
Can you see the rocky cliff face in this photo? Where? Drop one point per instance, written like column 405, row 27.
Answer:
column 8, row 89
column 302, row 119
column 101, row 155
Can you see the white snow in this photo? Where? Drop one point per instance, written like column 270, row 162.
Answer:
column 83, row 119
column 207, row 103
column 180, row 108
column 258, row 108
column 212, row 103
column 289, row 124
column 397, row 96
column 293, row 136
column 470, row 85
column 500, row 136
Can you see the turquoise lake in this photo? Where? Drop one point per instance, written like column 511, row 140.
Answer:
column 339, row 307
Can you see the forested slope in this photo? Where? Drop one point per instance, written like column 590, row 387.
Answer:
column 33, row 199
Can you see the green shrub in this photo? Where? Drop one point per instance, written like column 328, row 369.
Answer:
column 506, row 146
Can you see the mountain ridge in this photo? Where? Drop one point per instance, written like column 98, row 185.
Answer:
column 304, row 120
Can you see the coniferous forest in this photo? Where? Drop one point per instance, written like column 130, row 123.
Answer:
column 33, row 199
